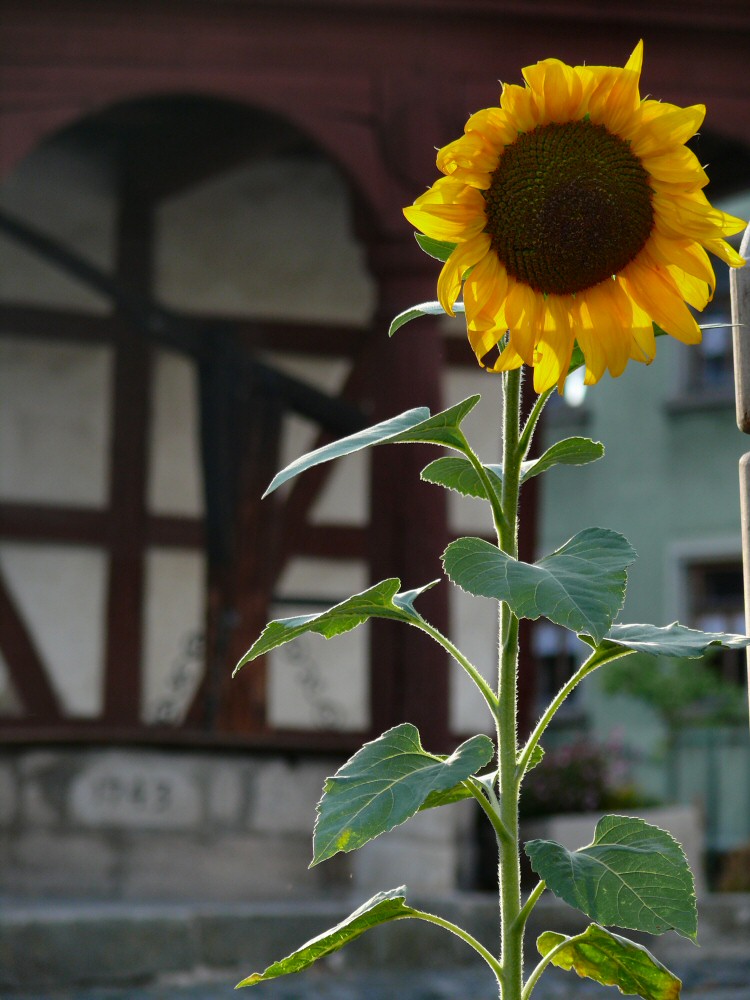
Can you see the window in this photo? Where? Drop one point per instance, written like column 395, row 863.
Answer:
column 711, row 363
column 557, row 653
column 716, row 604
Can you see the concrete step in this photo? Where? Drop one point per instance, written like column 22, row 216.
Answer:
column 126, row 946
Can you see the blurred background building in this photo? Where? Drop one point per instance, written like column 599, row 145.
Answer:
column 201, row 246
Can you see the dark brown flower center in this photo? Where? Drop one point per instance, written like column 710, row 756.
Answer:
column 569, row 206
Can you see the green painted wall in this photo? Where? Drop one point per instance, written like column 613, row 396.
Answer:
column 669, row 480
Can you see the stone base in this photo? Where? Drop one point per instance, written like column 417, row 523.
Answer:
column 178, row 826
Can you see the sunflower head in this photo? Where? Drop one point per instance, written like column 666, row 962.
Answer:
column 577, row 214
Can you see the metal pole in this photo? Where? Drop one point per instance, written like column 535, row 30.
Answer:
column 740, row 295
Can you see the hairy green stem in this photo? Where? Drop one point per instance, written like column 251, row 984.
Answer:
column 492, row 809
column 498, row 514
column 511, row 935
column 532, row 420
column 530, row 903
column 464, row 935
column 511, row 942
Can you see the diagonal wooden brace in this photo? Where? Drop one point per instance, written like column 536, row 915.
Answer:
column 740, row 293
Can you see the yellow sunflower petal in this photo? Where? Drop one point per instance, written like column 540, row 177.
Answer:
column 666, row 131
column 465, row 255
column 470, row 152
column 523, row 309
column 617, row 97
column 676, row 166
column 484, row 295
column 518, row 104
column 586, row 333
column 692, row 217
column 691, row 257
column 638, row 323
column 602, row 336
column 508, row 360
column 494, row 125
column 658, row 296
column 450, row 210
column 485, row 287
column 694, row 291
column 726, row 252
column 554, row 347
column 557, row 88
column 731, row 224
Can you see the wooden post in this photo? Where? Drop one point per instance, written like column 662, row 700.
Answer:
column 740, row 294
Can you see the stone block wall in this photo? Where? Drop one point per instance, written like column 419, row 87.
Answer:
column 142, row 825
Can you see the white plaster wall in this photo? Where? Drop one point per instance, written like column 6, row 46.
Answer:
column 270, row 239
column 54, row 422
column 60, row 591
column 173, row 631
column 315, row 682
column 174, row 475
column 344, row 498
column 473, row 620
column 66, row 192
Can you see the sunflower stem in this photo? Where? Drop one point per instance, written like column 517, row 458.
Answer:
column 511, row 930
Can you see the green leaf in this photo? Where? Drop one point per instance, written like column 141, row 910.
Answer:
column 458, row 474
column 581, row 586
column 413, row 426
column 537, row 756
column 577, row 359
column 377, row 434
column 570, row 451
column 423, row 309
column 458, row 793
column 444, row 428
column 439, row 249
column 384, row 784
column 386, row 906
column 380, row 601
column 633, row 875
column 672, row 640
column 612, row 960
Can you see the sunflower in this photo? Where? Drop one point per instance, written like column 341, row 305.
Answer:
column 577, row 213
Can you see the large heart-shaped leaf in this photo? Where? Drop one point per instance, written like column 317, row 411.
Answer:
column 423, row 309
column 612, row 961
column 633, row 875
column 380, row 601
column 581, row 586
column 411, row 427
column 381, row 909
column 385, row 783
column 672, row 640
